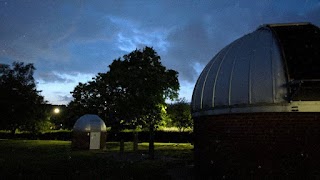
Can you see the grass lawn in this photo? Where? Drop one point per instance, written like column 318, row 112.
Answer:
column 54, row 159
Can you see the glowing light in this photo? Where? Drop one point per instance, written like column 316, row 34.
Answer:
column 56, row 110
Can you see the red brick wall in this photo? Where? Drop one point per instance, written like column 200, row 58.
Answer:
column 258, row 145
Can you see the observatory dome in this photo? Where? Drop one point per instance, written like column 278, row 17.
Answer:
column 90, row 123
column 273, row 69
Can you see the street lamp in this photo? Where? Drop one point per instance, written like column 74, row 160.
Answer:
column 56, row 110
column 55, row 116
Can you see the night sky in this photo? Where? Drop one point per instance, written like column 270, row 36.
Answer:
column 71, row 41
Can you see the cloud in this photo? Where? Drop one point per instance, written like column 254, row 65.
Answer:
column 196, row 41
column 64, row 99
column 45, row 33
column 57, row 86
column 53, row 77
column 67, row 38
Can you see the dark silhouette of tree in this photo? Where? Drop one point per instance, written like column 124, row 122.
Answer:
column 20, row 103
column 144, row 84
column 94, row 97
column 180, row 114
column 131, row 93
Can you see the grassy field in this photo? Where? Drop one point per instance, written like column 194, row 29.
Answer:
column 54, row 159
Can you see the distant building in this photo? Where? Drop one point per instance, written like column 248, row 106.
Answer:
column 256, row 106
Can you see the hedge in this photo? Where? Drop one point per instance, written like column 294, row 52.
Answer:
column 160, row 136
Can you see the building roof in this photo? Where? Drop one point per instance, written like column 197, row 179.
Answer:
column 269, row 69
column 90, row 123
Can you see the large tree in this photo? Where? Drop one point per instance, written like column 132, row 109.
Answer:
column 20, row 103
column 180, row 115
column 144, row 84
column 95, row 97
column 134, row 87
column 132, row 92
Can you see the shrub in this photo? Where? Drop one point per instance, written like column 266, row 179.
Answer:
column 143, row 136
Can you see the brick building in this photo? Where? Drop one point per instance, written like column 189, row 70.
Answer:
column 256, row 106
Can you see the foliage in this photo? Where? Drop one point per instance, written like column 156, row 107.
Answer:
column 143, row 84
column 20, row 102
column 180, row 114
column 144, row 136
column 131, row 94
column 165, row 119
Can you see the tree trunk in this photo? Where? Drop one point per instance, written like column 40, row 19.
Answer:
column 151, row 141
column 121, row 138
column 13, row 131
column 135, row 141
column 121, row 146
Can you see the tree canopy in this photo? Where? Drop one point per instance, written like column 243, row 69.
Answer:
column 20, row 102
column 180, row 114
column 131, row 92
column 143, row 83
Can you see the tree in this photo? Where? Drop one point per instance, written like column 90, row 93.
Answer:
column 20, row 101
column 96, row 97
column 134, row 87
column 39, row 119
column 180, row 114
column 144, row 84
column 132, row 92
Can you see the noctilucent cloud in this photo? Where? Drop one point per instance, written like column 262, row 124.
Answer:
column 71, row 41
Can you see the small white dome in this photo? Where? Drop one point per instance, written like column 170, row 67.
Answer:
column 90, row 123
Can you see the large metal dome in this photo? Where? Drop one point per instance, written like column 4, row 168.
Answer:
column 90, row 123
column 273, row 69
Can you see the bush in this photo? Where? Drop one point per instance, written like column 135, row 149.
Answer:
column 59, row 135
column 143, row 136
column 160, row 136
